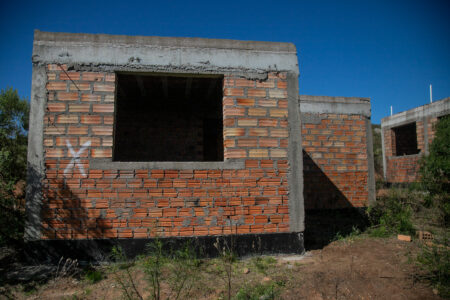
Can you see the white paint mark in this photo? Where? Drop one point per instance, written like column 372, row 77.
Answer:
column 76, row 157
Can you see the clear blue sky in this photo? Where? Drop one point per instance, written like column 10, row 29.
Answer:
column 389, row 51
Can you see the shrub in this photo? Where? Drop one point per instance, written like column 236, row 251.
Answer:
column 392, row 214
column 435, row 170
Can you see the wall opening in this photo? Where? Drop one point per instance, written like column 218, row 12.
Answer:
column 406, row 139
column 168, row 117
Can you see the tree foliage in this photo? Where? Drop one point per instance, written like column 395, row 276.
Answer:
column 14, row 112
column 435, row 169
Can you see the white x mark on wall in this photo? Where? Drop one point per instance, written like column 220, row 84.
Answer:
column 76, row 157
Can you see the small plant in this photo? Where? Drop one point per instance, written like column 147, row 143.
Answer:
column 262, row 264
column 349, row 237
column 267, row 291
column 93, row 276
column 126, row 283
column 392, row 214
column 228, row 259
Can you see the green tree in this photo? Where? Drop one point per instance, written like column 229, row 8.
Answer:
column 435, row 169
column 14, row 113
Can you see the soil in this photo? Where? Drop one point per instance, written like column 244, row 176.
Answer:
column 352, row 268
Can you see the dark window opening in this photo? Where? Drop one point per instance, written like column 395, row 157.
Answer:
column 406, row 139
column 168, row 118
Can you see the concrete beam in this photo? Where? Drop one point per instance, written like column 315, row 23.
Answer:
column 335, row 105
column 164, row 53
column 435, row 109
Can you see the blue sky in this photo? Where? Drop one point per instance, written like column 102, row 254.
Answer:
column 389, row 51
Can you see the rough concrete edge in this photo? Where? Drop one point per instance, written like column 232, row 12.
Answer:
column 371, row 164
column 295, row 156
column 335, row 105
column 35, row 160
column 164, row 41
column 438, row 109
column 210, row 165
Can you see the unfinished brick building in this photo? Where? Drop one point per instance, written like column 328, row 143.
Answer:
column 406, row 137
column 136, row 137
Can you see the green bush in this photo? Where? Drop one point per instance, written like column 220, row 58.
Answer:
column 93, row 276
column 392, row 214
column 435, row 170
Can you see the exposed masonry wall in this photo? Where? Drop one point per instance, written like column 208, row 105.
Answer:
column 404, row 168
column 336, row 153
column 141, row 203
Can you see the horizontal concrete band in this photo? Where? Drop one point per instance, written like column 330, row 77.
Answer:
column 98, row 250
column 139, row 52
column 169, row 165
column 435, row 109
column 334, row 105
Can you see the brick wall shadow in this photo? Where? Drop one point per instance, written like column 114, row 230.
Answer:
column 64, row 216
column 328, row 213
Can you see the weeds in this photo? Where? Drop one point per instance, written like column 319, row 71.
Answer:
column 93, row 276
column 267, row 291
column 262, row 264
column 228, row 259
column 435, row 261
column 392, row 214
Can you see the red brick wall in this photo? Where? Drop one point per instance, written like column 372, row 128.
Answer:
column 335, row 164
column 141, row 203
column 402, row 169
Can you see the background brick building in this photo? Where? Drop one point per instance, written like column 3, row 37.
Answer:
column 406, row 137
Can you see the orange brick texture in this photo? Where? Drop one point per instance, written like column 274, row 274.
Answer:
column 404, row 169
column 143, row 203
column 335, row 164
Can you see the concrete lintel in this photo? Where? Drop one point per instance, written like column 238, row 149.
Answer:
column 435, row 109
column 295, row 179
column 35, row 161
column 167, row 165
column 139, row 52
column 335, row 105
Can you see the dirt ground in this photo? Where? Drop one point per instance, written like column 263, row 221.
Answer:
column 358, row 268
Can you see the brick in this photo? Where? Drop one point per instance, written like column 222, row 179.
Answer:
column 247, row 122
column 92, row 76
column 244, row 82
column 63, row 96
column 102, row 130
column 259, row 112
column 258, row 153
column 56, row 86
column 280, row 94
column 79, row 107
column 90, row 97
column 101, row 153
column 67, row 119
column 245, row 102
column 91, row 119
column 69, row 76
column 56, row 107
column 278, row 112
column 234, row 132
column 99, row 87
column 103, row 108
column 247, row 142
column 256, row 93
column 235, row 153
column 233, row 92
column 258, row 132
column 77, row 130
